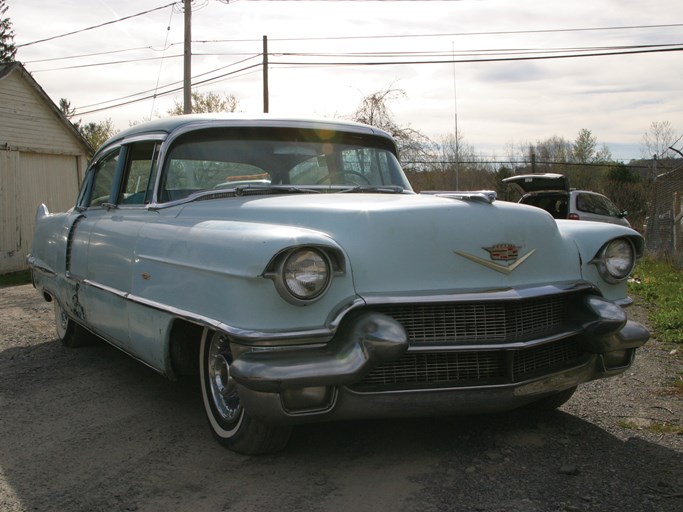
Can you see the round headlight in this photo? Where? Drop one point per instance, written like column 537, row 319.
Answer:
column 618, row 260
column 306, row 274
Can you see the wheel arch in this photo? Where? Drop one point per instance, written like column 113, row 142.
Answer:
column 184, row 342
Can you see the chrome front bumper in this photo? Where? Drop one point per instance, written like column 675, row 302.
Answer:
column 302, row 385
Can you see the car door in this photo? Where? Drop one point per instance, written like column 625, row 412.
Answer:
column 103, row 238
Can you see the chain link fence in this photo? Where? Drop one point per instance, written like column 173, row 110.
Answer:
column 664, row 224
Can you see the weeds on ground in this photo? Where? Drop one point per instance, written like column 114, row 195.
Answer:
column 657, row 427
column 660, row 284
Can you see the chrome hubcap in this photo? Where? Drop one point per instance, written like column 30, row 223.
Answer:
column 223, row 387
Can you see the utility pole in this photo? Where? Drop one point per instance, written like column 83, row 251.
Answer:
column 265, row 74
column 187, row 73
column 455, row 121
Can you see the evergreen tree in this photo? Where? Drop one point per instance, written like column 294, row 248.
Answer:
column 7, row 49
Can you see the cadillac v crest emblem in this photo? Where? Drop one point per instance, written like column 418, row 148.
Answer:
column 504, row 258
column 503, row 252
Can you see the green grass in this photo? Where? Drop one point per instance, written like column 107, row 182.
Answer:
column 657, row 427
column 660, row 284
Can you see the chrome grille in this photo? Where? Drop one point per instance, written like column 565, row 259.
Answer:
column 480, row 322
column 452, row 369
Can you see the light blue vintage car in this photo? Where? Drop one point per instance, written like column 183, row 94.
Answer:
column 288, row 264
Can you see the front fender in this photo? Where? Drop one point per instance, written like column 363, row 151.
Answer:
column 214, row 269
column 589, row 238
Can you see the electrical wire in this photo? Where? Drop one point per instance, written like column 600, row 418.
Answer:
column 454, row 34
column 470, row 56
column 341, row 38
column 675, row 48
column 83, row 110
column 161, row 65
column 94, row 26
column 204, row 82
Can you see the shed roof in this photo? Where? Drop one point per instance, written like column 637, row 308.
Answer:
column 8, row 69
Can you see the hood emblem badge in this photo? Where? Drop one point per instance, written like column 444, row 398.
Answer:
column 506, row 254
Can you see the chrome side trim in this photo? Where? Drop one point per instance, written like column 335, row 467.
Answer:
column 322, row 335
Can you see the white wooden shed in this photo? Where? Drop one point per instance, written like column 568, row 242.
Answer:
column 42, row 160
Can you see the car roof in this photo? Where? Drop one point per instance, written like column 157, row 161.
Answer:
column 171, row 124
column 537, row 182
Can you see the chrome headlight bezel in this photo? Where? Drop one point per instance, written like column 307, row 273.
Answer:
column 302, row 275
column 616, row 260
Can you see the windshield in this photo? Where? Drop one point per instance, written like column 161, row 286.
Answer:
column 224, row 159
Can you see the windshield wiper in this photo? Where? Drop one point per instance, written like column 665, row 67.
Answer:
column 245, row 190
column 376, row 189
column 251, row 190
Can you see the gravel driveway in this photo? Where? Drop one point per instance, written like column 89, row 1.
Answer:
column 92, row 430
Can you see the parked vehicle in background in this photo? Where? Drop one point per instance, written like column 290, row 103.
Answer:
column 551, row 192
column 289, row 264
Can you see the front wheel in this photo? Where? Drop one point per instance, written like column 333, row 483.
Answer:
column 232, row 426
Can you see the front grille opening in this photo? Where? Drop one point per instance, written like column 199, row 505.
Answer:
column 481, row 322
column 475, row 368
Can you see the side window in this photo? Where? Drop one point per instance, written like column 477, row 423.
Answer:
column 609, row 207
column 103, row 180
column 140, row 164
column 592, row 203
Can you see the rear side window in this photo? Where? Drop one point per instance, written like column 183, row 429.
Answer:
column 98, row 188
column 596, row 204
column 140, row 164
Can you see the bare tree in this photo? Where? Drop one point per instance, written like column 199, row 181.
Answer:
column 203, row 103
column 374, row 110
column 658, row 140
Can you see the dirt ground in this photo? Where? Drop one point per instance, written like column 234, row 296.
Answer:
column 92, row 430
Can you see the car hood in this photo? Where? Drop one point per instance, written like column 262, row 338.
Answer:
column 401, row 243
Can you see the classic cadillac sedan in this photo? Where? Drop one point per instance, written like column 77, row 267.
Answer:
column 289, row 265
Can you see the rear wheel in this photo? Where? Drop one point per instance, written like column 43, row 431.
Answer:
column 232, row 426
column 69, row 332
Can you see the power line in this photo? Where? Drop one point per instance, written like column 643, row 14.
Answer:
column 676, row 48
column 337, row 38
column 166, row 93
column 454, row 34
column 97, row 54
column 172, row 84
column 510, row 54
column 94, row 26
column 638, row 50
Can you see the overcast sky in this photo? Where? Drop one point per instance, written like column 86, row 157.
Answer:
column 325, row 54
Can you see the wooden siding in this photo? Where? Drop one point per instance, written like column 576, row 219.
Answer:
column 26, row 181
column 27, row 122
column 42, row 160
